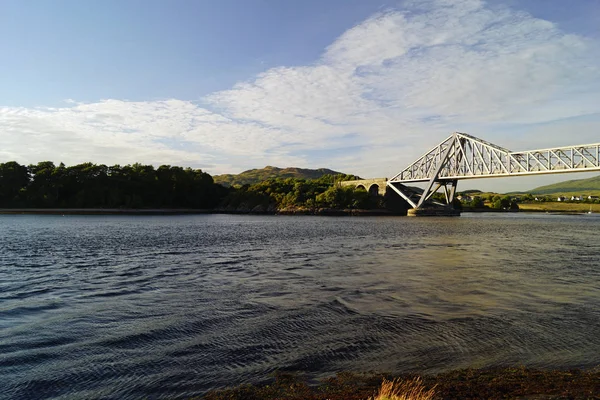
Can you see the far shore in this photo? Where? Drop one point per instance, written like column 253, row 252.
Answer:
column 550, row 207
column 103, row 211
column 177, row 211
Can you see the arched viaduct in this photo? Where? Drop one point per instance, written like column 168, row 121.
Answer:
column 375, row 186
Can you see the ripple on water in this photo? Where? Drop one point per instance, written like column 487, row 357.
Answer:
column 169, row 307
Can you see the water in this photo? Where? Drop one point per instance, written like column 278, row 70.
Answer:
column 169, row 307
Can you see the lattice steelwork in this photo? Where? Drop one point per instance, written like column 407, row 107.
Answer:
column 462, row 156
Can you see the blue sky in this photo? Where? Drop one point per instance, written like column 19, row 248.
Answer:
column 364, row 87
column 139, row 50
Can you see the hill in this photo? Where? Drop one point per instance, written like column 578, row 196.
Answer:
column 581, row 186
column 258, row 175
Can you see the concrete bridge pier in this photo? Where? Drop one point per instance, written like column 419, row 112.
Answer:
column 397, row 200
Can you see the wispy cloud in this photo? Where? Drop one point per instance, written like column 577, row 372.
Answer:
column 384, row 91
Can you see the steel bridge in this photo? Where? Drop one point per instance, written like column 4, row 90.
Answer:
column 462, row 156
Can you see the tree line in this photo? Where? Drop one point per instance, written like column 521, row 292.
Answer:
column 88, row 185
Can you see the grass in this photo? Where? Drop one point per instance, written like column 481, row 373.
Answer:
column 577, row 185
column 398, row 389
column 556, row 206
column 569, row 193
column 494, row 384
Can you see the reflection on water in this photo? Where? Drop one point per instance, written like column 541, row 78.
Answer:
column 130, row 307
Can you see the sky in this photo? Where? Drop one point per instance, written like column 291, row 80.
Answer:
column 358, row 86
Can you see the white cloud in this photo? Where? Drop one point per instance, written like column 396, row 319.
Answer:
column 386, row 90
column 114, row 131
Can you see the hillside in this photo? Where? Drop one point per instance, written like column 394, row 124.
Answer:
column 582, row 186
column 258, row 175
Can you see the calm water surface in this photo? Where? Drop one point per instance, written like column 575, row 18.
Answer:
column 169, row 307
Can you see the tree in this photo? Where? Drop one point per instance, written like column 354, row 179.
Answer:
column 505, row 203
column 43, row 189
column 90, row 185
column 477, row 202
column 14, row 179
column 343, row 197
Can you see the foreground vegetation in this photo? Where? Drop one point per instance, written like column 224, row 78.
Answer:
column 505, row 383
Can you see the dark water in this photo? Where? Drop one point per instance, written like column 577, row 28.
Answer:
column 169, row 307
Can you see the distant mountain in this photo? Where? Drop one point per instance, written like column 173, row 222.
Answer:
column 258, row 175
column 582, row 186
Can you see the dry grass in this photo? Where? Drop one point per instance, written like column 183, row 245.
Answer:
column 399, row 389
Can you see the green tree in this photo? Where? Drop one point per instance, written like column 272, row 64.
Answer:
column 505, row 203
column 477, row 202
column 90, row 185
column 343, row 197
column 43, row 189
column 14, row 179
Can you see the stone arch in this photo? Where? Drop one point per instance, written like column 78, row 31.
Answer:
column 361, row 187
column 374, row 190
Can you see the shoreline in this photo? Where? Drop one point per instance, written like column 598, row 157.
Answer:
column 298, row 212
column 170, row 211
column 488, row 383
column 102, row 211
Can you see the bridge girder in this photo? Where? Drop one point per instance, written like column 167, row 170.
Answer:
column 463, row 156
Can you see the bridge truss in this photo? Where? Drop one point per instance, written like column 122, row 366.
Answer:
column 462, row 156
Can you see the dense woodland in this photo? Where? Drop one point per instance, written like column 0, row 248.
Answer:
column 88, row 185
column 46, row 185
